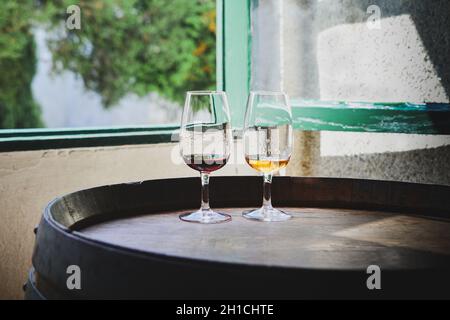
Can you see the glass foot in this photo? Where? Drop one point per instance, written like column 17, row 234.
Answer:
column 266, row 214
column 206, row 217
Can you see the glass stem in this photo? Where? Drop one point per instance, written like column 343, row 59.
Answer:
column 205, row 191
column 267, row 193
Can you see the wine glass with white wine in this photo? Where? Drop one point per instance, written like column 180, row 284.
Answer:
column 268, row 145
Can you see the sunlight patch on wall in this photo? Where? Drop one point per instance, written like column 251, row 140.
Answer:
column 389, row 64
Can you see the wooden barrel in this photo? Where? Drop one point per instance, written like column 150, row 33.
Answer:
column 128, row 241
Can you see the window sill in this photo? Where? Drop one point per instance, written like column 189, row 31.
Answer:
column 39, row 139
column 429, row 118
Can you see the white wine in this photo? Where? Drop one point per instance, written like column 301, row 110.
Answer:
column 267, row 145
column 267, row 165
column 267, row 149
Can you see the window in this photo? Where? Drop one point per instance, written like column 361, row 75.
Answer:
column 355, row 66
column 101, row 68
column 128, row 66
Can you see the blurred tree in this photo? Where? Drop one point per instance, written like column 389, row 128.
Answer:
column 135, row 46
column 123, row 46
column 17, row 66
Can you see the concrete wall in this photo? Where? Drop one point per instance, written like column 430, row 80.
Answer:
column 30, row 179
column 327, row 50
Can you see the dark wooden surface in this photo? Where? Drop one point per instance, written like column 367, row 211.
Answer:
column 129, row 243
column 315, row 238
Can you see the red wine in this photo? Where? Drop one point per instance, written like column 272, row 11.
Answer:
column 205, row 163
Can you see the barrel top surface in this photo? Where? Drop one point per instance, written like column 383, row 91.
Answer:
column 132, row 233
column 319, row 238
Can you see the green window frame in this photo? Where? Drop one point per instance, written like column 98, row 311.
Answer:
column 40, row 139
column 233, row 76
column 234, row 55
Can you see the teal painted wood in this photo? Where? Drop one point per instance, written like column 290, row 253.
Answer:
column 48, row 139
column 7, row 133
column 426, row 118
column 220, row 85
column 233, row 40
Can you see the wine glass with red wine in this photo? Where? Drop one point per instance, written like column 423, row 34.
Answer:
column 205, row 142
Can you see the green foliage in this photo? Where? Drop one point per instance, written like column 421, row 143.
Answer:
column 136, row 46
column 124, row 46
column 17, row 66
